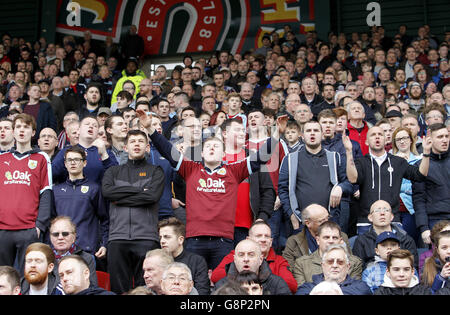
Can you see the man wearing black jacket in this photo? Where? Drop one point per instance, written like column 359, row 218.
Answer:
column 92, row 97
column 381, row 218
column 379, row 174
column 309, row 95
column 134, row 190
column 400, row 278
column 431, row 198
column 172, row 233
column 248, row 257
column 74, row 276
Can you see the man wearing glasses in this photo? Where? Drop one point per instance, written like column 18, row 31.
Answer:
column 81, row 199
column 306, row 267
column 63, row 239
column 336, row 266
column 381, row 217
column 177, row 280
column 98, row 157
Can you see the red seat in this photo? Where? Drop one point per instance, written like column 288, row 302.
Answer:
column 103, row 280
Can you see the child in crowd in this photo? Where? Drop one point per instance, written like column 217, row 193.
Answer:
column 373, row 275
column 292, row 136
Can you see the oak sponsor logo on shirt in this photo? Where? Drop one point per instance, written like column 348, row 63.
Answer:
column 211, row 185
column 17, row 177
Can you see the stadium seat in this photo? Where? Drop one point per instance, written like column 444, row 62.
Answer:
column 103, row 280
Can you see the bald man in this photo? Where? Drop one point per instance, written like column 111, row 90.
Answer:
column 304, row 243
column 261, row 233
column 379, row 174
column 48, row 142
column 248, row 257
column 381, row 217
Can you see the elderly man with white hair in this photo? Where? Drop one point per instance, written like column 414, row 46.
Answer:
column 335, row 267
column 177, row 280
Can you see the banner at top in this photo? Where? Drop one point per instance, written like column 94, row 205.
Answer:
column 171, row 26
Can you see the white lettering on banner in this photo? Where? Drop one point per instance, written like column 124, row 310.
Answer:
column 74, row 17
column 374, row 17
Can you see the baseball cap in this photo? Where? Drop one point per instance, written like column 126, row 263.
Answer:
column 104, row 110
column 386, row 236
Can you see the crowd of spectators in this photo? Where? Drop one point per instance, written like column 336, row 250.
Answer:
column 314, row 166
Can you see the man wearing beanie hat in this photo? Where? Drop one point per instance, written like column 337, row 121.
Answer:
column 395, row 118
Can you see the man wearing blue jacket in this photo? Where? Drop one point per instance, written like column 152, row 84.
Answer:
column 81, row 199
column 335, row 266
column 98, row 157
column 312, row 175
column 333, row 142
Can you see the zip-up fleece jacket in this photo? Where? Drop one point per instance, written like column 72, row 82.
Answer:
column 82, row 201
column 431, row 198
column 134, row 190
column 383, row 183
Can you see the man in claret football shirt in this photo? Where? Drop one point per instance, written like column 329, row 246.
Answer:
column 211, row 190
column 25, row 194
